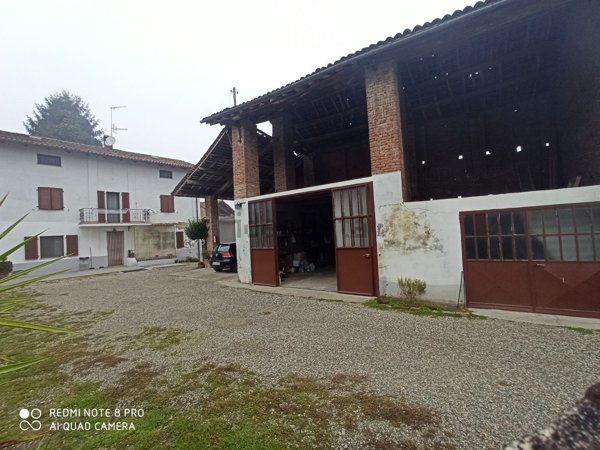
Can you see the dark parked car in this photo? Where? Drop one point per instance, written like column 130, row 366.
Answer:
column 224, row 258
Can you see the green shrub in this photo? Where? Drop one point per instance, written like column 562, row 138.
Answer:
column 197, row 230
column 6, row 267
column 411, row 288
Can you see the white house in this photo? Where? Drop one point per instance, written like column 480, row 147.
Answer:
column 100, row 206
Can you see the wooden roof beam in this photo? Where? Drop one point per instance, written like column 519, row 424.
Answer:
column 337, row 133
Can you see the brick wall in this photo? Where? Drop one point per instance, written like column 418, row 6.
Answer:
column 245, row 160
column 385, row 126
column 579, row 96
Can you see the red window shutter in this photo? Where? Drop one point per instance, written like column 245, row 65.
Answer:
column 72, row 245
column 44, row 198
column 179, row 239
column 57, row 198
column 31, row 248
column 101, row 205
column 164, row 203
column 167, row 203
column 125, row 206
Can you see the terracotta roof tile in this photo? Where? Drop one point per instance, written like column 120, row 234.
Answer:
column 106, row 152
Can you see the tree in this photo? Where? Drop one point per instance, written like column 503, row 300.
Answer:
column 64, row 116
column 197, row 230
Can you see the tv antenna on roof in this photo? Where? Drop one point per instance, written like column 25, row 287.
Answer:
column 113, row 127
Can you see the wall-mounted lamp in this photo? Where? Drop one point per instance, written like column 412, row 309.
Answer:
column 238, row 205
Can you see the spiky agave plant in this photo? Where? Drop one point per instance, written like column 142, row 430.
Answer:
column 7, row 304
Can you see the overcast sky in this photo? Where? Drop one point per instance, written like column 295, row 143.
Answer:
column 173, row 63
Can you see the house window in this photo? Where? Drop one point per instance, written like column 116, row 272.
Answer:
column 261, row 224
column 351, row 217
column 167, row 203
column 566, row 233
column 48, row 160
column 52, row 246
column 165, row 174
column 50, row 198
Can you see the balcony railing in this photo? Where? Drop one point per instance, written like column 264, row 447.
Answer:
column 97, row 215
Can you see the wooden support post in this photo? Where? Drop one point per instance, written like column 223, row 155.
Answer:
column 308, row 167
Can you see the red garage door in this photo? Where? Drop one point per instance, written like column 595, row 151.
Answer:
column 543, row 260
column 355, row 246
column 263, row 246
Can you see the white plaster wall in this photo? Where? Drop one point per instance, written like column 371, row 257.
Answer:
column 417, row 239
column 80, row 177
column 242, row 241
column 422, row 239
column 189, row 249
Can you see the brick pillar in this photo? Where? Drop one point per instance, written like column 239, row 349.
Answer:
column 308, row 167
column 385, row 122
column 244, row 152
column 283, row 157
column 211, row 209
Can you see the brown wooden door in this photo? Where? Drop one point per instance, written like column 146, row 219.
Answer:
column 263, row 243
column 544, row 259
column 497, row 267
column 355, row 246
column 115, row 242
column 565, row 259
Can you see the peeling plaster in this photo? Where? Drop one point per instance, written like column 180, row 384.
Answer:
column 409, row 231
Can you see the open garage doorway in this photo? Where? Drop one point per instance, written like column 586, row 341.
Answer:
column 318, row 239
column 305, row 241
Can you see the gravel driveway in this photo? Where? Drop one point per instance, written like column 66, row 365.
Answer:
column 490, row 380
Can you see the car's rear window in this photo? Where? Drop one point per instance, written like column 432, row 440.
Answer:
column 223, row 248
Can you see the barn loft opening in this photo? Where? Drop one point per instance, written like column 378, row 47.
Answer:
column 482, row 112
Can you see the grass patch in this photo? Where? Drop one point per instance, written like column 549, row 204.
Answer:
column 421, row 308
column 397, row 413
column 83, row 359
column 348, row 379
column 582, row 330
column 159, row 338
column 220, row 406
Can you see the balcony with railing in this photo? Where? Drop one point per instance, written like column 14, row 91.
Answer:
column 99, row 216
